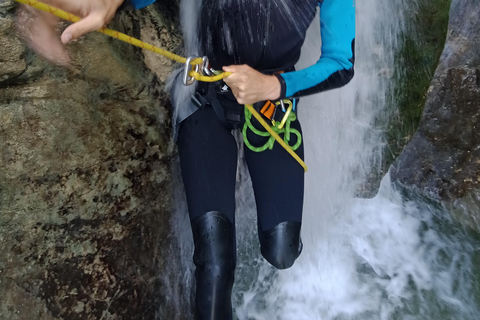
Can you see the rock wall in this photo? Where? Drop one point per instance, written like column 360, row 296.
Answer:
column 442, row 161
column 85, row 175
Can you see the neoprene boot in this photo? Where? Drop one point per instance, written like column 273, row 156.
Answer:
column 214, row 258
column 281, row 245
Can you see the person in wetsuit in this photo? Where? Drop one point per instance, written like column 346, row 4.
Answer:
column 259, row 42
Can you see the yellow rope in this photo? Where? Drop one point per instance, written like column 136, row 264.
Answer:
column 123, row 37
column 276, row 136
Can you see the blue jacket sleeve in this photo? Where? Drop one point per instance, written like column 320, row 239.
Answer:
column 137, row 4
column 335, row 66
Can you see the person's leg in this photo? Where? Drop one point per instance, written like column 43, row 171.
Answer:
column 278, row 183
column 208, row 160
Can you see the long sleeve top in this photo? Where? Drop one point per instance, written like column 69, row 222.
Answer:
column 268, row 36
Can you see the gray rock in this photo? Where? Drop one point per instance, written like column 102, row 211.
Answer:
column 12, row 50
column 85, row 178
column 442, row 161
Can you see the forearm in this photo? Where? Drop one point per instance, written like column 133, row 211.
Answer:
column 325, row 75
column 335, row 66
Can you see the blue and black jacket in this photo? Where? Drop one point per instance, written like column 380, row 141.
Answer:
column 268, row 36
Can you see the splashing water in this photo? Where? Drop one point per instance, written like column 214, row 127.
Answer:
column 386, row 260
column 382, row 258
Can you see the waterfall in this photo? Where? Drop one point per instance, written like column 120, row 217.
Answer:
column 387, row 257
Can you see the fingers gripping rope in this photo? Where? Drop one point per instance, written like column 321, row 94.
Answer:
column 123, row 37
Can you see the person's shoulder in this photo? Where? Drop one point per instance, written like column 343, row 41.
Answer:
column 137, row 4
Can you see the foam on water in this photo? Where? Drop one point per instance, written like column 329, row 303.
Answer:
column 380, row 258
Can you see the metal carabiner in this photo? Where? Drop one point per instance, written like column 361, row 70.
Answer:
column 205, row 67
column 187, row 80
column 287, row 112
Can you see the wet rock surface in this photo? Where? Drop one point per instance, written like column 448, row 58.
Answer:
column 85, row 176
column 442, row 161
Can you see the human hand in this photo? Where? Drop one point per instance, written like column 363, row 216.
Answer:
column 250, row 86
column 39, row 27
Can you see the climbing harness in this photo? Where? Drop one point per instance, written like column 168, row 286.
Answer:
column 195, row 69
column 220, row 97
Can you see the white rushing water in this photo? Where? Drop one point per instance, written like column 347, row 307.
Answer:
column 380, row 258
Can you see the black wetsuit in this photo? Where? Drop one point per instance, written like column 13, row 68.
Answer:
column 260, row 35
column 267, row 35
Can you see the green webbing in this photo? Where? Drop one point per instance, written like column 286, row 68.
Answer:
column 287, row 131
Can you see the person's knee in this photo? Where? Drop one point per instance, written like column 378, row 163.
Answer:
column 214, row 240
column 281, row 245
